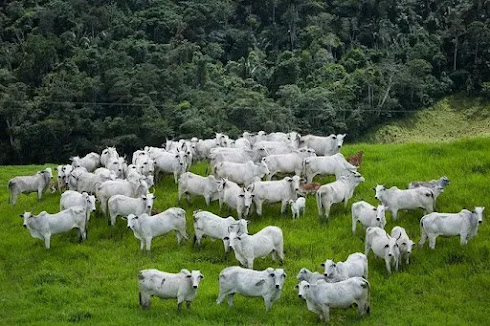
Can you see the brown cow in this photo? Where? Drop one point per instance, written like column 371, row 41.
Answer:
column 309, row 188
column 356, row 159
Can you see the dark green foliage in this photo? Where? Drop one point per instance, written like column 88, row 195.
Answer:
column 78, row 75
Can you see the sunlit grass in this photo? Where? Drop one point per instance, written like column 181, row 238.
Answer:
column 95, row 282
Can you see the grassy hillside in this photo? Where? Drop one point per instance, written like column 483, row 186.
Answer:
column 452, row 118
column 95, row 282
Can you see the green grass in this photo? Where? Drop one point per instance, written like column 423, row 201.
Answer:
column 452, row 118
column 95, row 282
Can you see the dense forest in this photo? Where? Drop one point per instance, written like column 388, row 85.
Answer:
column 78, row 75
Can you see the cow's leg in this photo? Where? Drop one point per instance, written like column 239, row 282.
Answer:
column 284, row 205
column 367, row 247
column 230, row 299
column 39, row 194
column 432, row 241
column 47, row 241
column 463, row 238
column 221, row 296
column 388, row 265
column 148, row 243
column 258, row 206
column 207, row 199
column 325, row 312
column 423, row 237
column 395, row 214
column 142, row 245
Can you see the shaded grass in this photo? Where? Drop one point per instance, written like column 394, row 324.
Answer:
column 452, row 118
column 95, row 282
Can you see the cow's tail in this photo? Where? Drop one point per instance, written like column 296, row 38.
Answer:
column 422, row 230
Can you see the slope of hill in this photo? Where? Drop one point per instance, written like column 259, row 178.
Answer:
column 452, row 118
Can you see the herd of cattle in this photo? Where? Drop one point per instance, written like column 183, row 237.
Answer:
column 238, row 168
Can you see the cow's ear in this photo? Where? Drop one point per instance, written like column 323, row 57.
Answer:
column 226, row 238
column 188, row 276
column 290, row 179
column 375, row 209
column 386, row 246
column 322, row 264
column 21, row 215
column 296, row 286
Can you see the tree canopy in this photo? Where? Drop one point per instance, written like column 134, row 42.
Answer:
column 78, row 75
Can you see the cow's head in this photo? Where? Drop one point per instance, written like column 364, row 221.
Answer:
column 148, row 199
column 340, row 140
column 479, row 212
column 278, row 276
column 303, row 288
column 379, row 190
column 330, row 267
column 26, row 216
column 380, row 216
column 195, row 277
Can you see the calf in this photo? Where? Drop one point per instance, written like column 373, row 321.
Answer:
column 120, row 205
column 63, row 171
column 355, row 265
column 338, row 191
column 368, row 215
column 44, row 225
column 241, row 173
column 72, row 198
column 274, row 191
column 326, row 165
column 216, row 227
column 309, row 188
column 146, row 227
column 383, row 246
column 267, row 284
column 395, row 199
column 465, row 224
column 308, row 276
column 356, row 159
column 247, row 247
column 404, row 243
column 298, row 206
column 38, row 182
column 182, row 285
column 322, row 296
column 193, row 184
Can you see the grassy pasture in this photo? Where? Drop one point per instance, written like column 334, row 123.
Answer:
column 95, row 282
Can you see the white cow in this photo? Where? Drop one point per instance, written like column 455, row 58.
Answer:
column 298, row 206
column 62, row 171
column 203, row 148
column 327, row 165
column 182, row 285
column 72, row 178
column 405, row 245
column 308, row 276
column 383, row 246
column 207, row 224
column 38, row 182
column 119, row 187
column 174, row 163
column 355, row 265
column 322, row 296
column 146, row 227
column 395, row 199
column 72, row 198
column 86, row 181
column 234, row 197
column 267, row 284
column 274, row 192
column 325, row 146
column 193, row 184
column 242, row 142
column 287, row 163
column 107, row 153
column 241, row 173
column 443, row 182
column 274, row 147
column 465, row 224
column 118, row 165
column 120, row 205
column 247, row 247
column 90, row 161
column 105, row 174
column 338, row 191
column 368, row 215
column 44, row 225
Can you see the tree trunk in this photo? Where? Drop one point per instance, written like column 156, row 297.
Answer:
column 455, row 58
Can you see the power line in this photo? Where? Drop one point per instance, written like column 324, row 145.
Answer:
column 163, row 105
